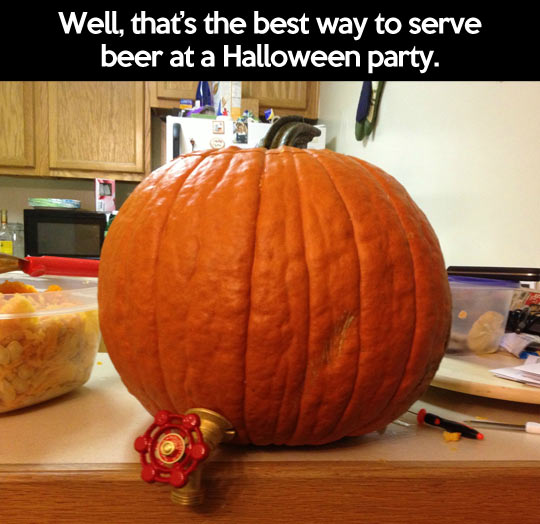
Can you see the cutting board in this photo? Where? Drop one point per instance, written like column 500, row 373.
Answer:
column 470, row 373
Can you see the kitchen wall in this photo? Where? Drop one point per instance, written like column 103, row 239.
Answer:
column 15, row 191
column 467, row 152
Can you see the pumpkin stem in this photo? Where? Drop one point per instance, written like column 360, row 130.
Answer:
column 289, row 131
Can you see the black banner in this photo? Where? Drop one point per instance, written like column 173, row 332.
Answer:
column 335, row 43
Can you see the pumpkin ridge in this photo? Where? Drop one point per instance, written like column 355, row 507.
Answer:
column 327, row 170
column 414, row 265
column 277, row 435
column 361, row 362
column 416, row 347
column 383, row 383
column 423, row 376
column 131, row 211
column 319, row 156
column 308, row 300
column 219, row 180
column 256, row 221
column 314, row 406
column 279, row 414
column 194, row 169
column 429, row 369
column 160, row 181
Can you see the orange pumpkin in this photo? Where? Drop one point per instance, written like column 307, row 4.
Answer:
column 300, row 293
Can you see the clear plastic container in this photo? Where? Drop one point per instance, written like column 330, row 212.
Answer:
column 480, row 308
column 48, row 339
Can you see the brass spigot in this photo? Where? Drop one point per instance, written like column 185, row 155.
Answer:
column 174, row 446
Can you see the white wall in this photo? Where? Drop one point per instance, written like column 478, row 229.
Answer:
column 467, row 152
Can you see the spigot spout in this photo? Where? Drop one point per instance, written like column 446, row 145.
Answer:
column 215, row 429
column 192, row 494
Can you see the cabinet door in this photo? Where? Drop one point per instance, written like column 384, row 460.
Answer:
column 17, row 140
column 167, row 95
column 96, row 126
column 285, row 98
column 291, row 95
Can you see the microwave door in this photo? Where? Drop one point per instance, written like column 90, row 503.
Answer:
column 63, row 233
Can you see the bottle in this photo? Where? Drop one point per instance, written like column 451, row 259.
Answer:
column 6, row 236
column 110, row 219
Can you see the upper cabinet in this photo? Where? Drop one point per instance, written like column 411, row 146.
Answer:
column 285, row 98
column 103, row 129
column 17, row 147
column 75, row 129
column 96, row 126
column 22, row 117
column 168, row 94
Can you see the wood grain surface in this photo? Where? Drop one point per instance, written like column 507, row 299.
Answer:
column 470, row 373
column 97, row 126
column 278, row 492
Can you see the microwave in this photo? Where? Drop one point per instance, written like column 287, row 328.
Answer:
column 63, row 232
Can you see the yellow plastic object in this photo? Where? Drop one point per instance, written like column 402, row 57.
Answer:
column 49, row 336
column 451, row 437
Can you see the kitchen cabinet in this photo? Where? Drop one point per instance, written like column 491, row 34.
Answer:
column 285, row 98
column 167, row 94
column 75, row 129
column 96, row 127
column 23, row 147
column 103, row 129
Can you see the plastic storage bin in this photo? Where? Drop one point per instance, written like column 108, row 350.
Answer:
column 480, row 310
column 48, row 338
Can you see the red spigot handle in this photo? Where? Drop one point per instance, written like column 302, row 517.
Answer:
column 171, row 448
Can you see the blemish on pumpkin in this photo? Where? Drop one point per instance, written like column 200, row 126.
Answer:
column 334, row 345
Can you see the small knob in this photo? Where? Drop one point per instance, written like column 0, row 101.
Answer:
column 172, row 448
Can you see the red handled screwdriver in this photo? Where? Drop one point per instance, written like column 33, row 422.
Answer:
column 423, row 417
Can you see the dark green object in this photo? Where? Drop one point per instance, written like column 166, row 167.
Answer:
column 289, row 131
column 365, row 126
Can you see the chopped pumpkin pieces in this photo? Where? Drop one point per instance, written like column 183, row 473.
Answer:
column 9, row 287
column 42, row 354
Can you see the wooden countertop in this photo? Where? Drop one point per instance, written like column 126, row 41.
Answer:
column 72, row 460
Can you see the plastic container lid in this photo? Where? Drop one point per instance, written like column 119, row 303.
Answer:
column 487, row 282
column 77, row 294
